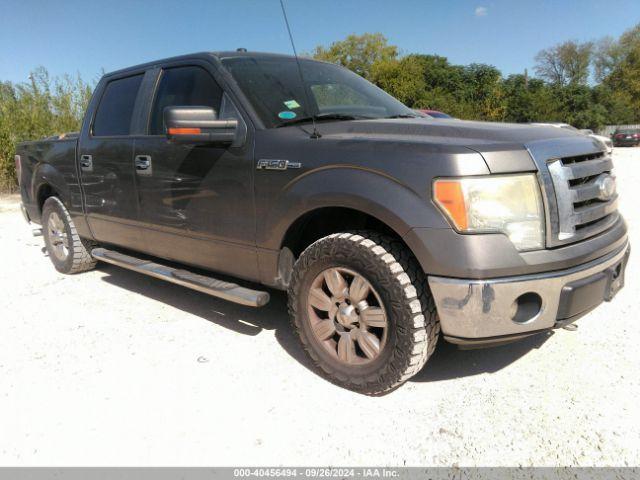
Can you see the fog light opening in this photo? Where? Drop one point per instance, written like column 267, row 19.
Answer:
column 616, row 272
column 527, row 306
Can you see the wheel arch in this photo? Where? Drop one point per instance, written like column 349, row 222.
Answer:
column 312, row 225
column 49, row 182
column 322, row 221
column 363, row 192
column 43, row 192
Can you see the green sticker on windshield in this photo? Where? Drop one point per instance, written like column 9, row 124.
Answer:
column 287, row 115
column 291, row 104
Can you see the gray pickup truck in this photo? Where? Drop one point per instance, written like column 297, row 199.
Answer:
column 388, row 229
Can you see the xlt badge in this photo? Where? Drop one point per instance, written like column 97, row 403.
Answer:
column 267, row 164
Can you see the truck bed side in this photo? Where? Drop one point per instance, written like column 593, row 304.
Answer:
column 49, row 168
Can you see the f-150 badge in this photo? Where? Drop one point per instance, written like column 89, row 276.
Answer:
column 267, row 164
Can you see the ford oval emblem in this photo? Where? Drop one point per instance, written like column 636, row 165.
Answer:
column 606, row 186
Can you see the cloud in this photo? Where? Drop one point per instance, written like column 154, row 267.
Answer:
column 481, row 11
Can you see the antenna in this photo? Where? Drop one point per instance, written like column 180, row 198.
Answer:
column 315, row 133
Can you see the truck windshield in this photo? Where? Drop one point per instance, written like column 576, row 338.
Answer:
column 274, row 88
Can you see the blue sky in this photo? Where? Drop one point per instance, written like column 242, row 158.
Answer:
column 72, row 36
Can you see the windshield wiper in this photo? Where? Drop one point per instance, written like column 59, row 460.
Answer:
column 324, row 116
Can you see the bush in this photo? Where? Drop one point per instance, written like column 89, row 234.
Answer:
column 39, row 108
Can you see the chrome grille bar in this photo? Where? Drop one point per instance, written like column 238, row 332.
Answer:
column 588, row 168
column 596, row 211
column 584, row 192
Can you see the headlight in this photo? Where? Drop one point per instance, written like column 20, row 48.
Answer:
column 508, row 204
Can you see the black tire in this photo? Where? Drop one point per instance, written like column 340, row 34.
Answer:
column 402, row 286
column 78, row 258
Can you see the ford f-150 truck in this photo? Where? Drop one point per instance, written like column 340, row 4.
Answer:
column 387, row 229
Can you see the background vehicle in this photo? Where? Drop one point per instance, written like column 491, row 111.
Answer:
column 435, row 113
column 626, row 137
column 385, row 227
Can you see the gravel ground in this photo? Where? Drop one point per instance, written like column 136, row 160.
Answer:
column 115, row 368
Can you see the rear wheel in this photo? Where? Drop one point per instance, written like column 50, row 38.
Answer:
column 68, row 252
column 362, row 309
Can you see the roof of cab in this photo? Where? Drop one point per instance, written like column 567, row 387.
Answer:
column 202, row 55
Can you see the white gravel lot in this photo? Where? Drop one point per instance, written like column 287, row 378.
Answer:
column 115, row 368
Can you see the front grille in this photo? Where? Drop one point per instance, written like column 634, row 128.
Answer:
column 581, row 211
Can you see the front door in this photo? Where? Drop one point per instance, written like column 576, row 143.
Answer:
column 105, row 158
column 196, row 202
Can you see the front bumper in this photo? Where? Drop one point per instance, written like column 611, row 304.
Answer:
column 486, row 311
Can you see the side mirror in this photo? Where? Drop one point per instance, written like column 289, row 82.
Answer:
column 198, row 125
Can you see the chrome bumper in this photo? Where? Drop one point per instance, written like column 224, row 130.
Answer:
column 512, row 306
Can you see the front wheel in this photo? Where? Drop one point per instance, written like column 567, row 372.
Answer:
column 362, row 309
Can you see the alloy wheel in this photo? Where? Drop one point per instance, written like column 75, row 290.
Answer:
column 347, row 316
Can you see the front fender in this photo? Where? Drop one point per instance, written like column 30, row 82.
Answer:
column 369, row 191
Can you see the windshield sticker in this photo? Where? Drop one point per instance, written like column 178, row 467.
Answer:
column 287, row 115
column 291, row 104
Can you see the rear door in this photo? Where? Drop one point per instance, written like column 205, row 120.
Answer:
column 105, row 155
column 196, row 202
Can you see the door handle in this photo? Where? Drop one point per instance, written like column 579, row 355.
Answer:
column 143, row 162
column 86, row 162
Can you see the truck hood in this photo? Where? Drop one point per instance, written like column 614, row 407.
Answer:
column 450, row 132
column 503, row 146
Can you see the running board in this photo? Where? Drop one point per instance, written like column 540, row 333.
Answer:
column 211, row 286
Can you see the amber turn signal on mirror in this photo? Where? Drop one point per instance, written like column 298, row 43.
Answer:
column 183, row 131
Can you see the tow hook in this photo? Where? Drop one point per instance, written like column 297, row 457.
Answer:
column 572, row 327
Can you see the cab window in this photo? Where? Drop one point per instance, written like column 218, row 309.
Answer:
column 183, row 87
column 115, row 110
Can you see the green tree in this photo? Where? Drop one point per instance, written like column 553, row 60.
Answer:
column 619, row 66
column 565, row 63
column 609, row 53
column 36, row 109
column 422, row 81
column 579, row 108
column 529, row 100
column 358, row 52
column 617, row 104
column 483, row 93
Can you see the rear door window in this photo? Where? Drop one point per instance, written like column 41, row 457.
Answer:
column 183, row 87
column 116, row 107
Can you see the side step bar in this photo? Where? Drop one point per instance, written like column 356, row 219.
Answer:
column 217, row 288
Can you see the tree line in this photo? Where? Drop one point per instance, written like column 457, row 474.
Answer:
column 41, row 107
column 587, row 84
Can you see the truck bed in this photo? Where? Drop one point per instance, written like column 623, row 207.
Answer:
column 53, row 159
